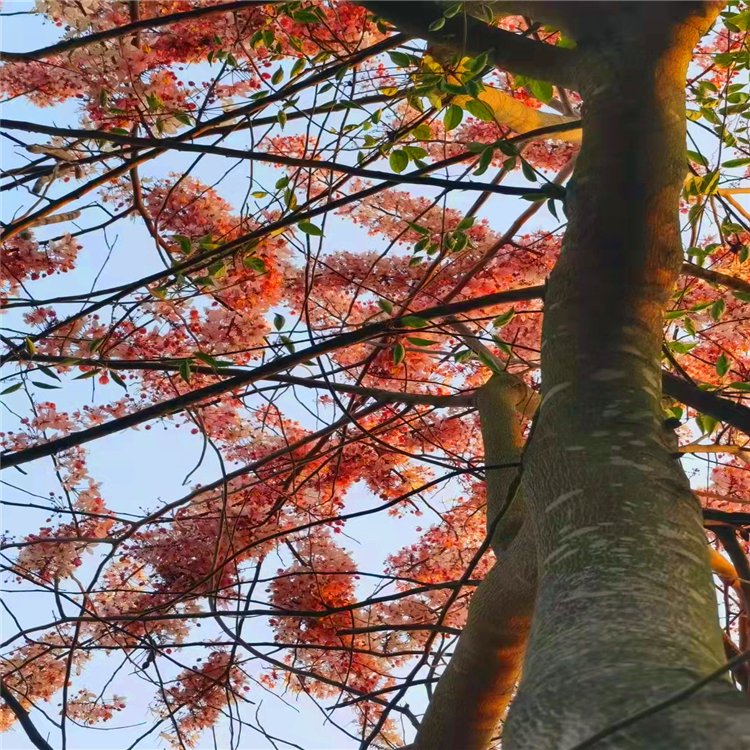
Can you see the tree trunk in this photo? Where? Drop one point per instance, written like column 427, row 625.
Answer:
column 626, row 612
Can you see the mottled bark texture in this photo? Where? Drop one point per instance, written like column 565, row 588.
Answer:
column 611, row 554
column 625, row 613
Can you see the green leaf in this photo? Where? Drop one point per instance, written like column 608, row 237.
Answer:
column 309, row 228
column 290, row 199
column 706, row 424
column 298, row 67
column 95, row 344
column 278, row 76
column 217, row 269
column 154, row 102
column 118, row 380
column 29, row 346
column 484, row 161
column 206, row 243
column 185, row 243
column 207, row 358
column 11, row 389
column 735, row 162
column 676, row 412
column 254, row 263
column 528, row 172
column 288, row 343
column 738, row 21
column 554, row 191
column 697, row 158
column 479, row 63
column 565, row 42
column 417, row 228
column 453, row 116
column 46, row 386
column 305, row 16
column 488, row 362
column 722, row 365
column 422, row 132
column 420, row 342
column 413, row 321
column 398, row 161
column 87, row 375
column 415, row 152
column 436, row 25
column 48, row 372
column 185, row 370
column 674, row 314
column 458, row 242
column 398, row 354
column 744, row 387
column 509, row 149
column 504, row 319
column 717, row 309
column 480, row 110
column 400, row 58
column 278, row 321
column 385, row 306
column 681, row 347
column 541, row 90
column 708, row 184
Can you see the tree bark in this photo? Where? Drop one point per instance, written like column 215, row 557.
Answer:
column 626, row 612
column 478, row 684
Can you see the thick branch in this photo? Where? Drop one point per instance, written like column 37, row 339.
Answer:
column 465, row 35
column 179, row 403
column 476, row 687
column 737, row 415
column 23, row 718
column 715, row 277
column 478, row 683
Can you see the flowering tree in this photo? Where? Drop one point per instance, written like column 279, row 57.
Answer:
column 485, row 263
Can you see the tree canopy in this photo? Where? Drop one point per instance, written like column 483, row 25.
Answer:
column 316, row 248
